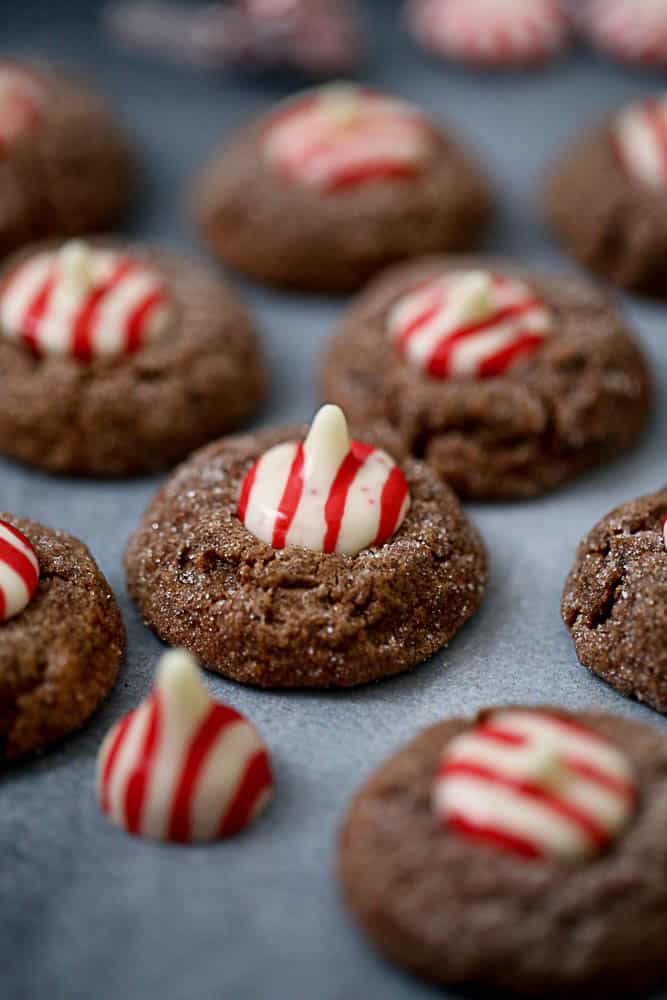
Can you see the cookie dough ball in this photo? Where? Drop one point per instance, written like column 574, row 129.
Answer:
column 284, row 565
column 523, row 851
column 506, row 383
column 335, row 184
column 65, row 167
column 61, row 636
column 607, row 198
column 118, row 360
column 615, row 600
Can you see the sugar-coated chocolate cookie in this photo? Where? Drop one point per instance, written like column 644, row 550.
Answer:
column 523, row 851
column 317, row 563
column 61, row 636
column 615, row 600
column 333, row 185
column 506, row 383
column 607, row 198
column 65, row 167
column 117, row 360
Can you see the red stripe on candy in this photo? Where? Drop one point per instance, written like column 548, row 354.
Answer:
column 496, row 735
column 601, row 778
column 496, row 364
column 494, row 836
column 418, row 322
column 256, row 780
column 19, row 562
column 19, row 536
column 289, row 500
column 439, row 362
column 84, row 323
column 34, row 313
column 380, row 170
column 334, row 509
column 246, row 490
column 394, row 493
column 218, row 719
column 137, row 783
column 110, row 761
column 137, row 319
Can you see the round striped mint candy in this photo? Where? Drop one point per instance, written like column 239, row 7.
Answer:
column 468, row 323
column 340, row 137
column 536, row 784
column 22, row 97
column 183, row 767
column 19, row 571
column 634, row 31
column 639, row 135
column 83, row 303
column 328, row 493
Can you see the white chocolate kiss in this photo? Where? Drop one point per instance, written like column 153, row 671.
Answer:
column 181, row 766
column 328, row 495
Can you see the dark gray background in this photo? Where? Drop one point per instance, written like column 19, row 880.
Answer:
column 86, row 911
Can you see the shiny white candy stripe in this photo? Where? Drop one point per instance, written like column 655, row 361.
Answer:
column 494, row 32
column 632, row 30
column 21, row 97
column 339, row 137
column 535, row 784
column 19, row 571
column 640, row 138
column 125, row 307
column 444, row 329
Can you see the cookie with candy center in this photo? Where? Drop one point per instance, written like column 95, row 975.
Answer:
column 328, row 493
column 519, row 851
column 183, row 767
column 634, row 31
column 19, row 571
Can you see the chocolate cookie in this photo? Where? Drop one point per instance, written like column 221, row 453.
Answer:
column 61, row 636
column 65, row 167
column 507, row 383
column 361, row 578
column 462, row 901
column 119, row 360
column 615, row 600
column 607, row 198
column 335, row 184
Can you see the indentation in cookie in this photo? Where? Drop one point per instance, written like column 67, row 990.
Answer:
column 19, row 571
column 341, row 136
column 535, row 784
column 468, row 323
column 181, row 766
column 84, row 303
column 328, row 493
column 22, row 97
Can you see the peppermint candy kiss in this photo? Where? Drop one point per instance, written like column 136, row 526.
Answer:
column 633, row 31
column 181, row 766
column 328, row 494
column 83, row 303
column 22, row 96
column 340, row 137
column 468, row 323
column 535, row 784
column 19, row 571
column 639, row 134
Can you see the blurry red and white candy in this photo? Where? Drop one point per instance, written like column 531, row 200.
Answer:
column 181, row 766
column 639, row 134
column 22, row 97
column 328, row 493
column 490, row 33
column 319, row 37
column 536, row 784
column 633, row 31
column 468, row 323
column 19, row 571
column 342, row 136
column 83, row 303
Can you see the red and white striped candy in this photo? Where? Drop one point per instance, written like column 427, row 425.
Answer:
column 19, row 571
column 536, row 784
column 181, row 766
column 664, row 530
column 639, row 134
column 634, row 31
column 340, row 137
column 468, row 323
column 22, row 97
column 83, row 303
column 490, row 32
column 328, row 494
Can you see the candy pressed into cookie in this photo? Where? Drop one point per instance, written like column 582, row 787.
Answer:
column 65, row 167
column 522, row 850
column 118, row 360
column 506, row 383
column 334, row 184
column 317, row 563
column 61, row 636
column 615, row 600
column 607, row 197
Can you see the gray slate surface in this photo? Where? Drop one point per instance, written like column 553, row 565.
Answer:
column 86, row 912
